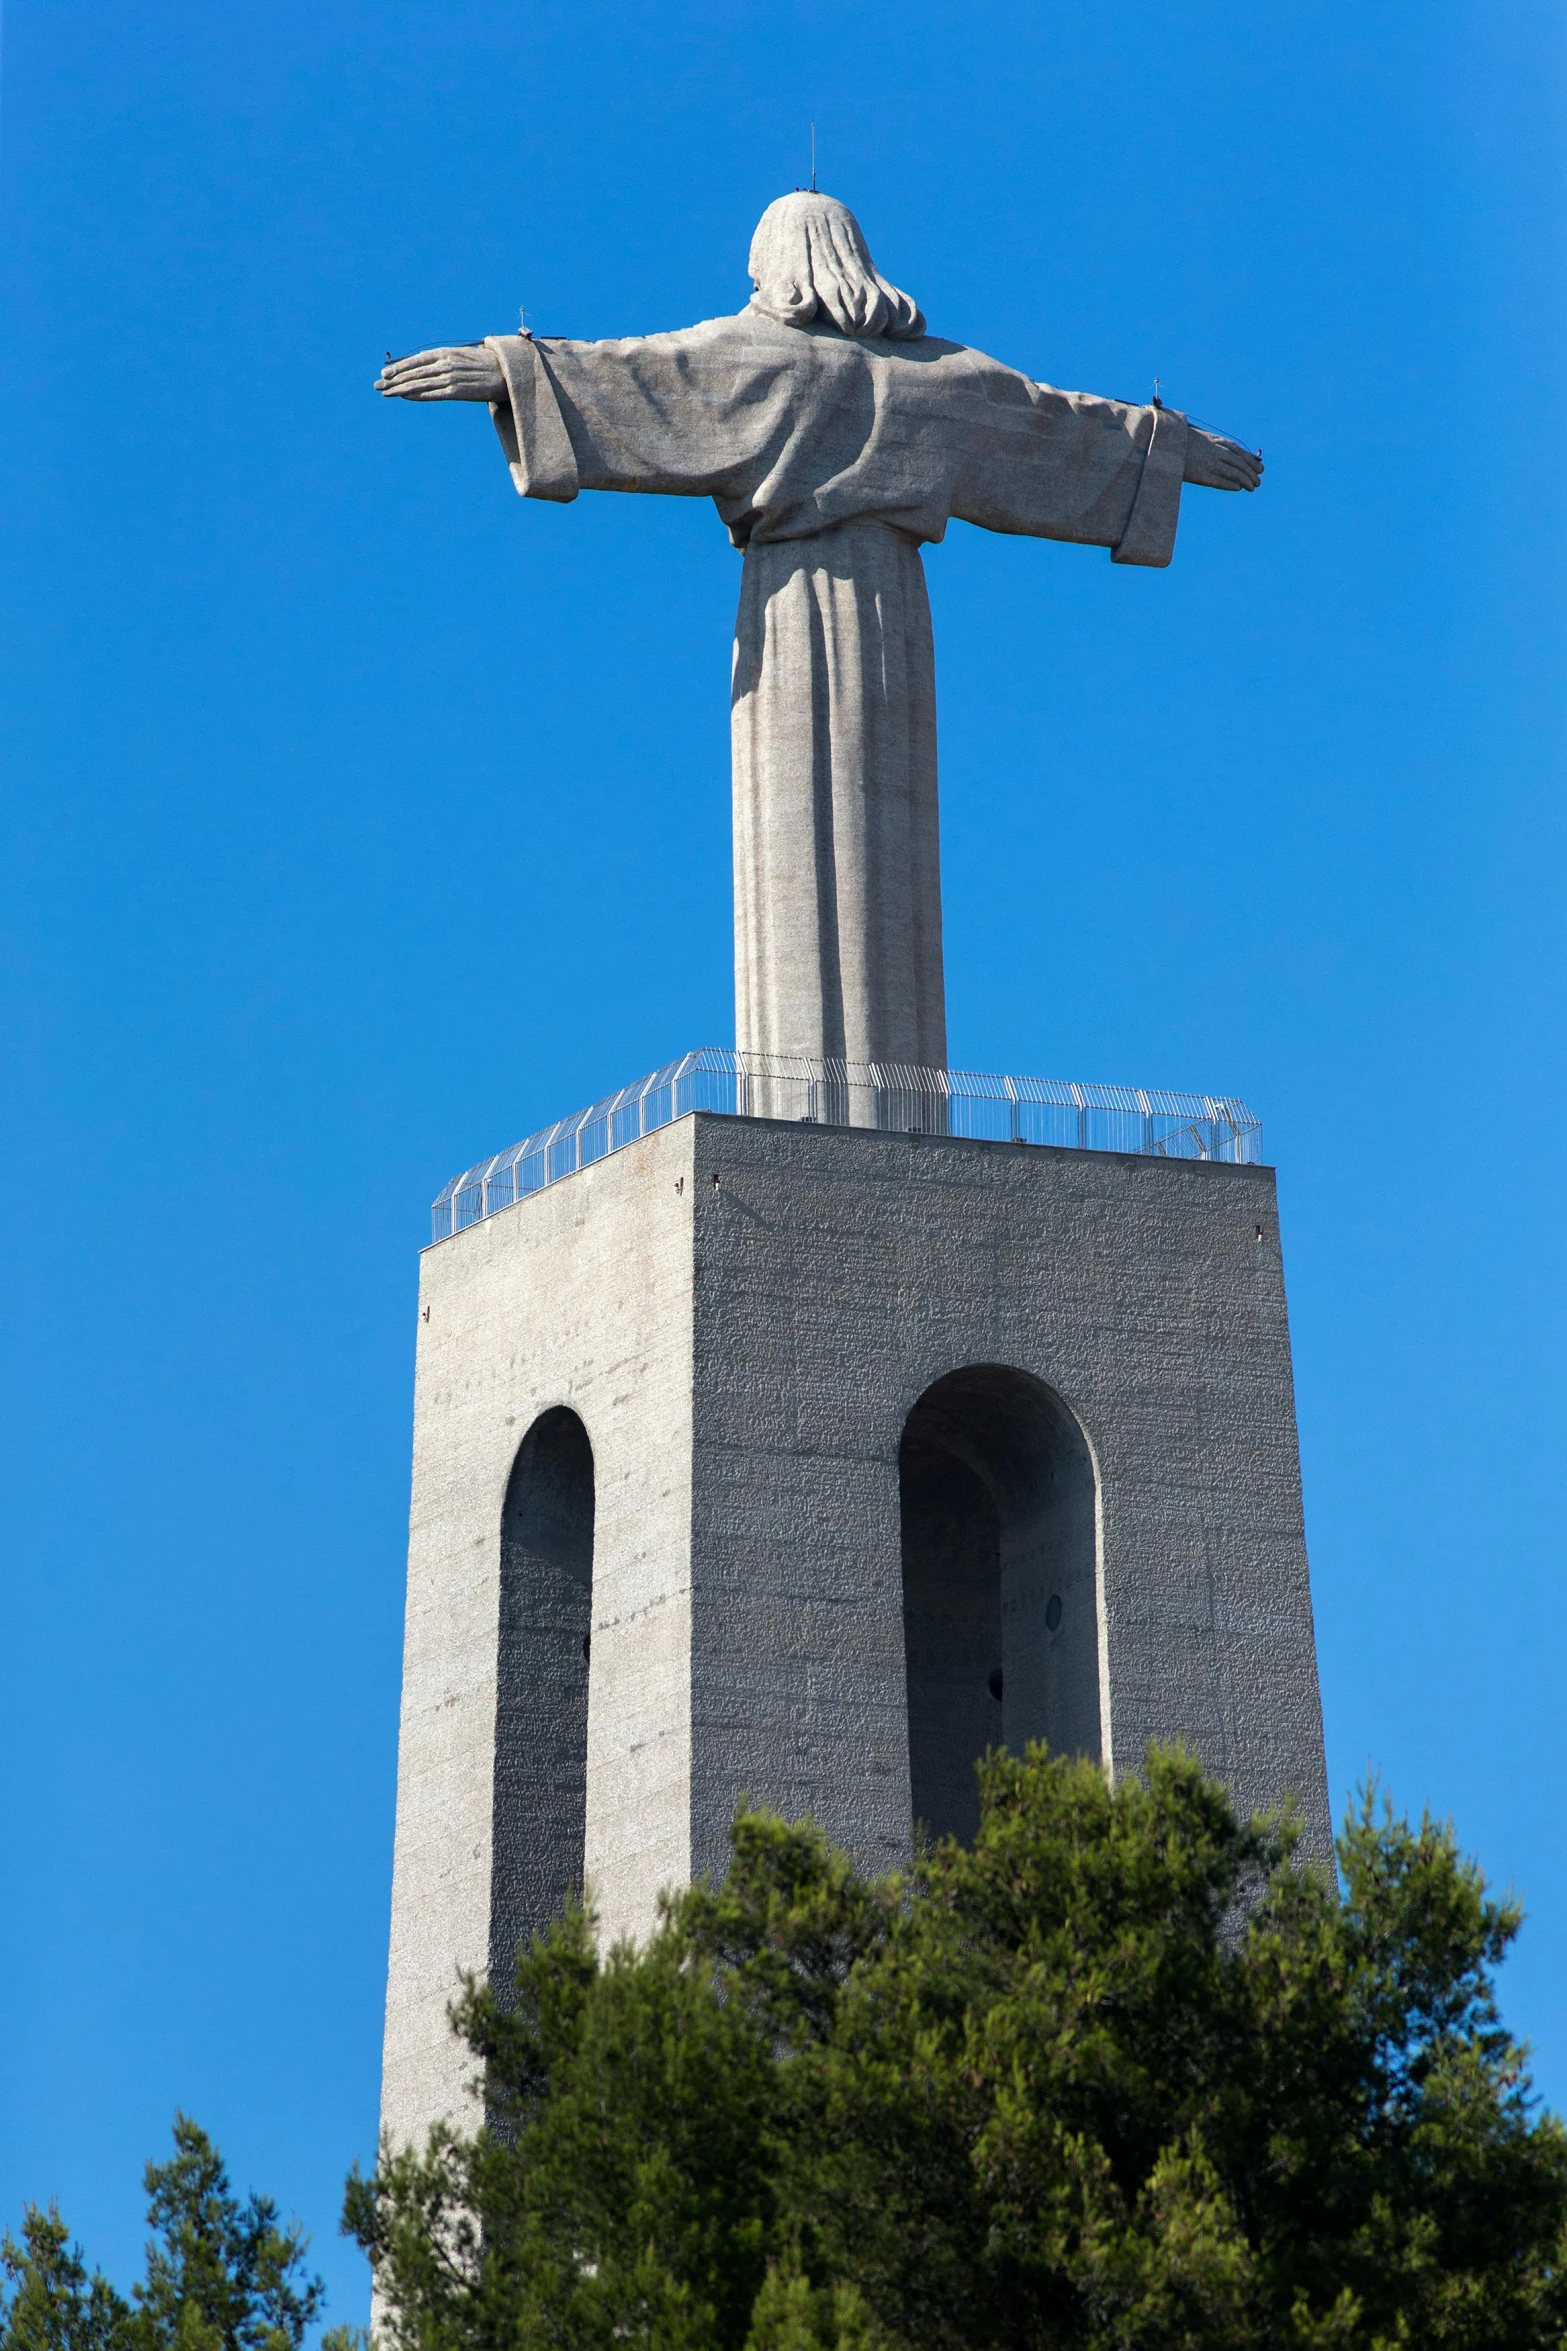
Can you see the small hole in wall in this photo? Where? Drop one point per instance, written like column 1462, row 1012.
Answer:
column 1053, row 1611
column 587, row 1647
column 994, row 1684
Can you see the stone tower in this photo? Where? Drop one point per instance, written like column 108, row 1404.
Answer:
column 803, row 1463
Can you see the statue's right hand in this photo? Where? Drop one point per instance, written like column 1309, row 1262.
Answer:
column 463, row 371
column 1215, row 462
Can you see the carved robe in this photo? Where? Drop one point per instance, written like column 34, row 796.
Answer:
column 832, row 458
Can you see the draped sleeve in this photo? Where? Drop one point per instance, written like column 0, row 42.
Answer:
column 532, row 431
column 1068, row 465
column 692, row 414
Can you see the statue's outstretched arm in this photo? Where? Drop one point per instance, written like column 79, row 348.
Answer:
column 463, row 371
column 1215, row 463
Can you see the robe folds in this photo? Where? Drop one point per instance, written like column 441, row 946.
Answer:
column 832, row 458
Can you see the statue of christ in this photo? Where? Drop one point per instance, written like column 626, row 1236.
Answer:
column 835, row 436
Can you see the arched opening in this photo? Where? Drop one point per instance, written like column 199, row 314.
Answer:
column 1000, row 1606
column 541, row 1698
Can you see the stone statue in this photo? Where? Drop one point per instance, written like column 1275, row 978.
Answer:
column 834, row 435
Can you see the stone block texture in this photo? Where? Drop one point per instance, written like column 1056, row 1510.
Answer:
column 800, row 1464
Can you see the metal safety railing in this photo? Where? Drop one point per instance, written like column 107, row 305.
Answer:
column 1148, row 1121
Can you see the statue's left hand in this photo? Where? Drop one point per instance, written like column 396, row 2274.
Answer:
column 465, row 371
column 1214, row 463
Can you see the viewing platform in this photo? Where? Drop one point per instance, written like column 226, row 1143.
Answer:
column 1151, row 1122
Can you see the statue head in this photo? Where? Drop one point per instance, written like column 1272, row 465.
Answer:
column 809, row 260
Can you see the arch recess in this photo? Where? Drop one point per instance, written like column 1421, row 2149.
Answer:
column 1000, row 1583
column 541, row 1698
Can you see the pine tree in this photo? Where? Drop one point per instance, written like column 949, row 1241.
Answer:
column 220, row 2275
column 1119, row 2077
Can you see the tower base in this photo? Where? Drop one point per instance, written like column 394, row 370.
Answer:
column 802, row 1464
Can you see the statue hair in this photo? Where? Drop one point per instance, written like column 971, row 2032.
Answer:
column 810, row 262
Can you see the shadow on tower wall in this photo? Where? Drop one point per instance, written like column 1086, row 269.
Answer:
column 541, row 1705
column 1000, row 1608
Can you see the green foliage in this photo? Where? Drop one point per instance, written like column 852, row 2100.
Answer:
column 1121, row 2075
column 220, row 2275
column 51, row 2301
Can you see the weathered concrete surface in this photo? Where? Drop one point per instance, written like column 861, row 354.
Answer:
column 743, row 1314
column 581, row 1297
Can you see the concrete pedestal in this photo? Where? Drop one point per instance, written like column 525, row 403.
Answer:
column 803, row 1464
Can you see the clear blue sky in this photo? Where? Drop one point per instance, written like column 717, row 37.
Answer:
column 359, row 818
